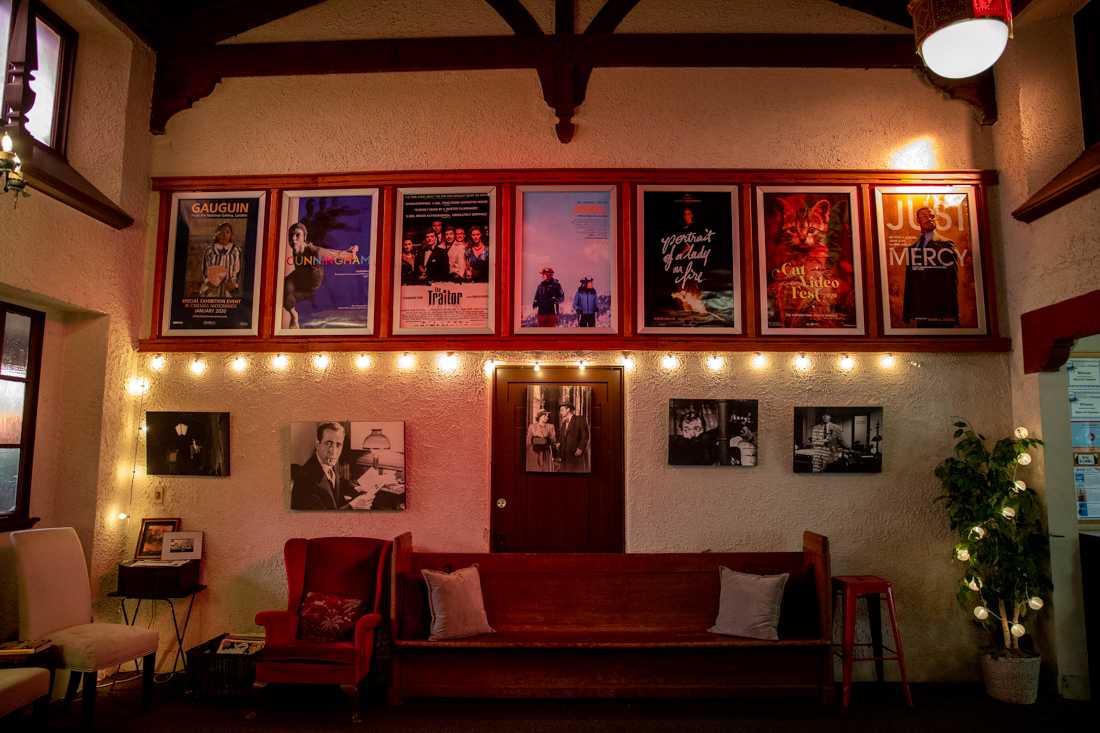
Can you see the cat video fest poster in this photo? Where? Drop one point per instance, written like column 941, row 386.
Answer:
column 688, row 259
column 931, row 260
column 810, row 260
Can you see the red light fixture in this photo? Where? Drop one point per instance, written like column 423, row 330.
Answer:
column 961, row 38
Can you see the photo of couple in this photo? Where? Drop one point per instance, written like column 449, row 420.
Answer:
column 559, row 438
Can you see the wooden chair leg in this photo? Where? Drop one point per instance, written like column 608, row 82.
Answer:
column 148, row 669
column 90, row 680
column 874, row 618
column 897, row 646
column 71, row 688
column 848, row 648
column 41, row 707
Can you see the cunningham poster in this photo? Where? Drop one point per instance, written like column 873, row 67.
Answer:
column 566, row 270
column 931, row 260
column 212, row 274
column 445, row 261
column 810, row 274
column 327, row 262
column 688, row 259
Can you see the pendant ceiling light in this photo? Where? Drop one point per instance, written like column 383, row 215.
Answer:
column 961, row 38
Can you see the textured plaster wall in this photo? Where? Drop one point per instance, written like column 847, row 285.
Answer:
column 631, row 118
column 87, row 277
column 1052, row 259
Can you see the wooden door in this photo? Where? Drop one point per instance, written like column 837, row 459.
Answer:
column 560, row 510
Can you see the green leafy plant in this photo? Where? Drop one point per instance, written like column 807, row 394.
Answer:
column 1002, row 544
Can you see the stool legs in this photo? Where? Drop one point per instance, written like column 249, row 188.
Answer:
column 874, row 618
column 848, row 647
column 897, row 646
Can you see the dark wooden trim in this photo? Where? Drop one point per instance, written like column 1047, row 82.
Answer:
column 48, row 172
column 66, row 69
column 565, row 17
column 890, row 12
column 20, row 518
column 609, row 16
column 1079, row 178
column 517, row 16
column 12, row 524
column 504, row 338
column 1048, row 334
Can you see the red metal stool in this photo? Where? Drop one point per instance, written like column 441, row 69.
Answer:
column 870, row 587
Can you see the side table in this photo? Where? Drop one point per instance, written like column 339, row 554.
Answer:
column 180, row 632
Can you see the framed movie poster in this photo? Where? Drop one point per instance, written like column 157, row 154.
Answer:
column 811, row 281
column 838, row 439
column 445, row 265
column 212, row 280
column 559, row 436
column 347, row 464
column 930, row 252
column 712, row 432
column 689, row 259
column 187, row 443
column 566, row 273
column 327, row 263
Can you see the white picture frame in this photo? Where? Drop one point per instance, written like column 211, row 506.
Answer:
column 181, row 546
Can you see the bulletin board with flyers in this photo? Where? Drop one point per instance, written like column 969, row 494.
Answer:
column 1084, row 412
column 607, row 259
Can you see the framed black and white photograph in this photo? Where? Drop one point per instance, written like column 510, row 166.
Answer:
column 559, row 438
column 347, row 464
column 712, row 432
column 181, row 546
column 187, row 443
column 838, row 439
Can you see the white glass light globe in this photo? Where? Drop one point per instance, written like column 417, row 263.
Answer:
column 1021, row 433
column 977, row 533
column 1019, row 486
column 1035, row 603
column 1017, row 630
column 981, row 613
column 1008, row 513
column 962, row 554
column 965, row 48
column 1024, row 459
column 975, row 584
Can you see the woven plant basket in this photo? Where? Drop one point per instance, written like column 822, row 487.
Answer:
column 1011, row 679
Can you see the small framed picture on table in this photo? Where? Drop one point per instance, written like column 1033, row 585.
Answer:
column 151, row 538
column 182, row 546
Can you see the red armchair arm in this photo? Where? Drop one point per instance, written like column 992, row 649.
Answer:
column 280, row 627
column 364, row 642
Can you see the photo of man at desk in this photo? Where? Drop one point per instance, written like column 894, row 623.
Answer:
column 339, row 465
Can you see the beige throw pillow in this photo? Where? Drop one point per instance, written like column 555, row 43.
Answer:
column 458, row 609
column 749, row 604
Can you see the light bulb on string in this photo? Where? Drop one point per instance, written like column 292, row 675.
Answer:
column 669, row 362
column 321, row 362
column 981, row 613
column 406, row 361
column 1021, row 433
column 977, row 532
column 537, row 366
column 238, row 364
column 962, row 554
column 1035, row 603
column 1017, row 630
column 715, row 362
column 759, row 361
column 490, row 367
column 158, row 362
column 143, row 429
column 888, row 361
column 974, row 584
column 448, row 363
column 846, row 363
column 122, row 516
column 362, row 361
column 1019, row 486
column 137, row 386
column 582, row 364
column 197, row 366
column 1024, row 459
column 802, row 362
column 280, row 361
column 1008, row 512
column 627, row 361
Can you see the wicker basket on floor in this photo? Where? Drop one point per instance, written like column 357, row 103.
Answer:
column 1011, row 679
column 216, row 676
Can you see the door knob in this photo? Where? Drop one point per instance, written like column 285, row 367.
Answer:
column 501, row 503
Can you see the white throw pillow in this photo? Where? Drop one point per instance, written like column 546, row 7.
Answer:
column 749, row 604
column 458, row 609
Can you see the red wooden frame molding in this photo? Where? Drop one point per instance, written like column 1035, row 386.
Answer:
column 505, row 339
column 1048, row 334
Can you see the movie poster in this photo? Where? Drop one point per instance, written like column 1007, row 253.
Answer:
column 212, row 280
column 566, row 269
column 810, row 275
column 688, row 259
column 446, row 260
column 327, row 257
column 931, row 260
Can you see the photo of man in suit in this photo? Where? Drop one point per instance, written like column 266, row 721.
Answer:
column 321, row 482
column 573, row 440
column 931, row 297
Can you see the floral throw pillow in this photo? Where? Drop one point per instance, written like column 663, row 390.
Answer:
column 327, row 617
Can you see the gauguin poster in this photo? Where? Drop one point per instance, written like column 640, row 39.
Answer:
column 688, row 259
column 327, row 264
column 931, row 260
column 809, row 260
column 566, row 240
column 212, row 280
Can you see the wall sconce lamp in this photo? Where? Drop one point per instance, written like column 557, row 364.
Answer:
column 11, row 168
column 957, row 38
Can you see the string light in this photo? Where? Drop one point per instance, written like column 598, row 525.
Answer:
column 239, row 364
column 448, row 363
column 628, row 362
column 363, row 361
column 1008, row 512
column 977, row 533
column 1035, row 603
column 1021, row 433
column 582, row 364
column 759, row 361
column 198, row 366
column 1018, row 486
column 490, row 367
column 981, row 613
column 888, row 361
column 537, row 366
column 123, row 516
column 137, row 386
column 669, row 362
column 802, row 362
column 280, row 361
column 406, row 361
column 1024, row 459
column 158, row 362
column 715, row 362
column 143, row 430
column 962, row 554
column 974, row 584
column 321, row 362
column 1017, row 630
column 846, row 363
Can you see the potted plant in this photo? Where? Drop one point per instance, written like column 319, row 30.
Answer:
column 1003, row 549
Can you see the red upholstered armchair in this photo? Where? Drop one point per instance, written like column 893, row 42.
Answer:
column 351, row 567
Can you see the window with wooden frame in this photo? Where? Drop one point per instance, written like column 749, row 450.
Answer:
column 20, row 362
column 48, row 118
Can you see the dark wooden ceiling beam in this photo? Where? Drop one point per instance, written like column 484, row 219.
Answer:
column 609, row 17
column 565, row 17
column 517, row 16
column 891, row 11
